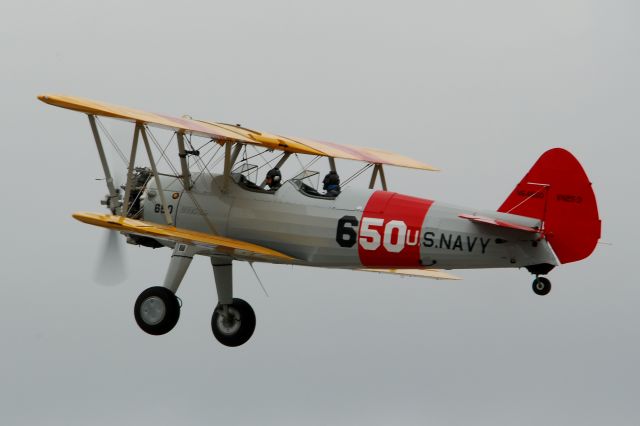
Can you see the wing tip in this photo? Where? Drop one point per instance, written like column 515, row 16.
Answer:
column 45, row 97
column 81, row 216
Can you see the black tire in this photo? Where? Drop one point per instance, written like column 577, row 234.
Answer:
column 157, row 310
column 541, row 286
column 240, row 330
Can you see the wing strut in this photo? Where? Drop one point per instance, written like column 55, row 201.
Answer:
column 374, row 175
column 132, row 160
column 156, row 176
column 383, row 179
column 112, row 199
column 378, row 169
column 229, row 159
column 236, row 152
column 332, row 164
column 186, row 175
column 227, row 167
column 279, row 164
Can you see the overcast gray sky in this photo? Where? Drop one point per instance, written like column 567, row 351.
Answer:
column 479, row 89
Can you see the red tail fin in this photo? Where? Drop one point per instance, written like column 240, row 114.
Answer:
column 557, row 191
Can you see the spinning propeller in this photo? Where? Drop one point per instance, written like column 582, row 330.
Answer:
column 111, row 267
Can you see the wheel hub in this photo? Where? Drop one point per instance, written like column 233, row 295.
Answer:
column 153, row 310
column 228, row 323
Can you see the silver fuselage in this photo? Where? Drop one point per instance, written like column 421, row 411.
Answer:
column 310, row 229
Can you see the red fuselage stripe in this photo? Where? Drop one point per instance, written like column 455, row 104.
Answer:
column 390, row 231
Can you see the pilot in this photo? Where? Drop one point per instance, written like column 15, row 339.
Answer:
column 331, row 184
column 274, row 178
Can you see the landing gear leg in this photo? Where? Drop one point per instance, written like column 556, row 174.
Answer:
column 233, row 320
column 157, row 309
column 541, row 286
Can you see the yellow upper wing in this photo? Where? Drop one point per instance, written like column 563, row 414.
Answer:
column 222, row 244
column 228, row 133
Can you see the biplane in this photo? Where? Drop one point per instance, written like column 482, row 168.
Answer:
column 239, row 213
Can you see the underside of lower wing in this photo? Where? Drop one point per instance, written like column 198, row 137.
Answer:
column 435, row 274
column 222, row 245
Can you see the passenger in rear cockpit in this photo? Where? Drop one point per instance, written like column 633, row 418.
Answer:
column 331, row 184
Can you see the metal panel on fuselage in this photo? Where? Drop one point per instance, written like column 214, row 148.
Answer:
column 205, row 208
column 152, row 203
column 450, row 242
column 293, row 223
column 287, row 220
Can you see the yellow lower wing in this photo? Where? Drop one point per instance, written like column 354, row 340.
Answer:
column 221, row 244
column 436, row 274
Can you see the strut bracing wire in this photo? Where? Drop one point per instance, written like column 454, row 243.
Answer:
column 122, row 156
column 163, row 151
column 259, row 153
column 309, row 164
column 189, row 193
column 258, row 278
column 269, row 161
column 205, row 166
column 356, row 174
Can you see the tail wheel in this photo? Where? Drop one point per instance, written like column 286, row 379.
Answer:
column 541, row 286
column 157, row 310
column 233, row 324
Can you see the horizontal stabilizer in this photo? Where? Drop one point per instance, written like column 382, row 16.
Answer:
column 435, row 274
column 498, row 222
column 224, row 245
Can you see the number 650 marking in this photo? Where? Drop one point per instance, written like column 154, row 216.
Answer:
column 374, row 232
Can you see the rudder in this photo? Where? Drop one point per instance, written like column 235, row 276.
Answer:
column 557, row 191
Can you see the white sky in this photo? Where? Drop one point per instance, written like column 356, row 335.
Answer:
column 479, row 89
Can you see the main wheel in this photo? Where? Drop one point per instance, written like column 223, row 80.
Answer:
column 541, row 286
column 233, row 325
column 157, row 310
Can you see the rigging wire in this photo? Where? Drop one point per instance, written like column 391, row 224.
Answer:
column 264, row 159
column 205, row 166
column 356, row 174
column 259, row 153
column 189, row 193
column 309, row 164
column 122, row 156
column 198, row 160
column 201, row 146
column 269, row 162
column 259, row 280
column 163, row 151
